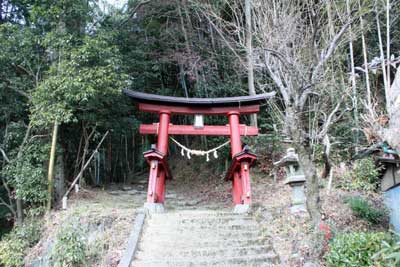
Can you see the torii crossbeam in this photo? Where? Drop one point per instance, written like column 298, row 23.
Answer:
column 232, row 107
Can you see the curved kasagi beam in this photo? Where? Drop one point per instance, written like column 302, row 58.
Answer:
column 236, row 101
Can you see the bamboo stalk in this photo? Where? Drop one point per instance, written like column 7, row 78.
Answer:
column 50, row 176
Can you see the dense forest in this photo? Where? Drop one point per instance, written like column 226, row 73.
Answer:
column 334, row 66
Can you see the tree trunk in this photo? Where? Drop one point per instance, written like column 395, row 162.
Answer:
column 312, row 184
column 353, row 77
column 382, row 56
column 388, row 41
column 249, row 53
column 19, row 202
column 365, row 56
column 20, row 211
column 391, row 134
column 59, row 178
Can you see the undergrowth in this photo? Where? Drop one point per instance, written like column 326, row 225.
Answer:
column 390, row 252
column 365, row 210
column 14, row 245
column 70, row 247
column 356, row 249
column 363, row 176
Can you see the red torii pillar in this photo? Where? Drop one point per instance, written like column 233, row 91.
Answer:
column 242, row 159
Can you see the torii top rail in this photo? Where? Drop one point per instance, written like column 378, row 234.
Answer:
column 231, row 107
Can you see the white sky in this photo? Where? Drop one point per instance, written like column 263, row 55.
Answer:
column 117, row 3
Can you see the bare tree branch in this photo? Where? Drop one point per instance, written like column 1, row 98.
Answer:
column 4, row 155
column 228, row 44
column 328, row 51
column 133, row 11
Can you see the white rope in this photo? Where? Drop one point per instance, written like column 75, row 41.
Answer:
column 195, row 152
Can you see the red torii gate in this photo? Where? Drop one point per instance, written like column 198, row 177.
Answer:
column 231, row 107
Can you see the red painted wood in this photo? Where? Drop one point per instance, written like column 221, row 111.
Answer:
column 162, row 140
column 236, row 163
column 160, row 187
column 237, row 189
column 219, row 130
column 236, row 143
column 151, row 191
column 244, row 174
column 158, row 175
column 241, row 161
column 145, row 107
column 156, row 155
column 236, row 147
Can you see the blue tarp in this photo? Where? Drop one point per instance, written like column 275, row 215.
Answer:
column 392, row 202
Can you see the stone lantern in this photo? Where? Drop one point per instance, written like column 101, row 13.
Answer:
column 295, row 178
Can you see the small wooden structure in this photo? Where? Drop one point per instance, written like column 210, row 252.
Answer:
column 166, row 106
column 389, row 160
column 390, row 185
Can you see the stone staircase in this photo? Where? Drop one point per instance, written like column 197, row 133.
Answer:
column 203, row 237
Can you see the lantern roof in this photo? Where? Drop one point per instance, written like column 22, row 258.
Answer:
column 291, row 158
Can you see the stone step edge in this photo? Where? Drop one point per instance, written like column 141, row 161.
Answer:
column 133, row 241
column 267, row 256
column 170, row 242
column 267, row 247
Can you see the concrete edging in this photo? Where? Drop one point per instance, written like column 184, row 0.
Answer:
column 133, row 241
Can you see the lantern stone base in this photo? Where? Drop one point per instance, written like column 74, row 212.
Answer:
column 298, row 208
column 241, row 208
column 154, row 207
column 298, row 198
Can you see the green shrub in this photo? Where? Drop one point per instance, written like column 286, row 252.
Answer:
column 13, row 246
column 12, row 251
column 389, row 255
column 356, row 250
column 70, row 247
column 363, row 176
column 363, row 209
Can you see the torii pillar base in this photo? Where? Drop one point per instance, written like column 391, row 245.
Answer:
column 241, row 208
column 154, row 208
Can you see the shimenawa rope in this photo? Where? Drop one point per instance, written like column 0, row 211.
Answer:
column 195, row 152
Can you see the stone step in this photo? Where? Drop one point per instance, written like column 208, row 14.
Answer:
column 211, row 252
column 171, row 215
column 200, row 243
column 250, row 225
column 161, row 219
column 203, row 232
column 179, row 235
column 201, row 223
column 178, row 216
column 267, row 259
